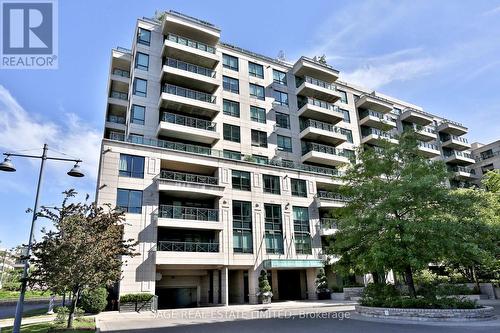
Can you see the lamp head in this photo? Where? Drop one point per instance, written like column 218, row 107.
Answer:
column 7, row 165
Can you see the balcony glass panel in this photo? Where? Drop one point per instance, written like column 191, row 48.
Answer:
column 188, row 93
column 188, row 121
column 121, row 72
column 119, row 95
column 316, row 82
column 188, row 177
column 185, row 66
column 191, row 43
column 116, row 119
column 188, row 213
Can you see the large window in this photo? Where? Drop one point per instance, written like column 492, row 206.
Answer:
column 282, row 120
column 257, row 91
column 129, row 200
column 231, row 84
column 347, row 116
column 231, row 133
column 348, row 134
column 273, row 229
column 131, row 166
column 143, row 36
column 259, row 138
column 280, row 98
column 140, row 87
column 271, row 184
column 255, row 70
column 242, row 227
column 299, row 188
column 231, row 108
column 241, row 180
column 142, row 61
column 301, row 230
column 284, row 143
column 138, row 114
column 279, row 77
column 258, row 114
column 231, row 154
column 230, row 62
column 343, row 97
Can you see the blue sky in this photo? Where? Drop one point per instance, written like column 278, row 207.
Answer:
column 442, row 55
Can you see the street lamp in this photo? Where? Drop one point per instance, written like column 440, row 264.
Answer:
column 8, row 166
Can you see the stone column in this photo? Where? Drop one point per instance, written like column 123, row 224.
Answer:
column 253, row 285
column 274, row 279
column 311, row 283
column 225, row 286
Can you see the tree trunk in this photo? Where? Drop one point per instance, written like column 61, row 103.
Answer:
column 474, row 276
column 72, row 309
column 409, row 282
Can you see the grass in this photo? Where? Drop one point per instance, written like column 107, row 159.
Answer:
column 79, row 325
column 4, row 294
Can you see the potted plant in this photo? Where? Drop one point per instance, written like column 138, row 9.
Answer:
column 264, row 293
column 322, row 285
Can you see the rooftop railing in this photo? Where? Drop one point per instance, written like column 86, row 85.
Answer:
column 374, row 96
column 121, row 72
column 188, row 121
column 188, row 213
column 188, row 93
column 319, row 125
column 123, row 49
column 188, row 177
column 118, row 95
column 324, row 64
column 191, row 43
column 187, row 246
column 185, row 66
column 193, row 19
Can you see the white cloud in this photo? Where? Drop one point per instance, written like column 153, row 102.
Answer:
column 492, row 11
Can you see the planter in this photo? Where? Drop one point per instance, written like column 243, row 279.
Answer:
column 483, row 313
column 323, row 295
column 497, row 292
column 137, row 306
column 265, row 299
column 353, row 292
column 337, row 296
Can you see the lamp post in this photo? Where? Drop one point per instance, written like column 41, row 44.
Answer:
column 8, row 166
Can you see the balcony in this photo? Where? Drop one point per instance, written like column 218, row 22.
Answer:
column 187, row 246
column 189, row 75
column 120, row 75
column 376, row 119
column 309, row 67
column 375, row 136
column 187, row 184
column 181, row 24
column 423, row 133
column 428, row 149
column 458, row 157
column 463, row 173
column 319, row 110
column 188, row 253
column 190, row 50
column 189, row 218
column 323, row 154
column 451, row 127
column 187, row 128
column 328, row 226
column 321, row 132
column 188, row 101
column 326, row 199
column 417, row 117
column 454, row 142
column 375, row 103
column 118, row 98
column 311, row 87
column 115, row 122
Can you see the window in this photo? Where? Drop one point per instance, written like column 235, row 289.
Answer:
column 299, row 188
column 242, row 227
column 255, row 70
column 142, row 61
column 273, row 229
column 231, row 133
column 230, row 62
column 230, row 84
column 137, row 114
column 347, row 116
column 140, row 87
column 280, row 98
column 129, row 201
column 261, row 159
column 279, row 77
column 257, row 91
column 231, row 154
column 259, row 138
column 348, row 134
column 231, row 108
column 350, row 154
column 271, row 184
column 343, row 97
column 241, row 180
column 143, row 36
column 301, row 230
column 285, row 143
column 258, row 114
column 131, row 166
column 282, row 120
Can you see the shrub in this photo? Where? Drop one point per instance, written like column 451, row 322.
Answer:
column 62, row 313
column 321, row 282
column 336, row 289
column 133, row 298
column 453, row 289
column 94, row 301
column 264, row 286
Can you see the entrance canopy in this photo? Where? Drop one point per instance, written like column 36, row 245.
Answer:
column 292, row 263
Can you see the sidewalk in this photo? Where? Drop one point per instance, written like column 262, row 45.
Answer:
column 38, row 319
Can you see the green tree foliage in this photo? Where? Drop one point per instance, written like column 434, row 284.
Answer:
column 83, row 251
column 321, row 281
column 94, row 300
column 264, row 286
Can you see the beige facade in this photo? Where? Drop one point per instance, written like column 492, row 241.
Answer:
column 487, row 157
column 191, row 156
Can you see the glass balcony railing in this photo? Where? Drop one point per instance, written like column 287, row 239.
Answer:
column 427, row 145
column 457, row 154
column 188, row 177
column 188, row 121
column 121, row 72
column 116, row 119
column 375, row 131
column 319, row 125
column 459, row 168
column 312, row 146
column 187, row 246
column 117, row 136
column 319, row 103
column 316, row 82
column 327, row 195
column 367, row 112
column 185, row 66
column 188, row 213
column 419, row 128
column 119, row 95
column 328, row 223
column 191, row 43
column 188, row 93
column 445, row 138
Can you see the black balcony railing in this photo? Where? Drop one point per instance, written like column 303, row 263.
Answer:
column 312, row 146
column 332, row 196
column 188, row 93
column 185, row 66
column 191, row 43
column 319, row 125
column 187, row 246
column 188, row 213
column 187, row 177
column 188, row 121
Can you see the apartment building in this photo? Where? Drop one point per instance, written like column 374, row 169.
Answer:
column 226, row 162
column 487, row 157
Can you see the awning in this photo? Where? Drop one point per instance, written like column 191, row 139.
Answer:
column 292, row 263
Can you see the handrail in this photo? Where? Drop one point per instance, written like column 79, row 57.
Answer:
column 319, row 63
column 188, row 121
column 188, row 93
column 191, row 43
column 123, row 49
column 188, row 213
column 448, row 121
column 188, row 177
column 373, row 95
column 187, row 246
column 186, row 66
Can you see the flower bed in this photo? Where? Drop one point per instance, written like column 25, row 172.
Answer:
column 482, row 313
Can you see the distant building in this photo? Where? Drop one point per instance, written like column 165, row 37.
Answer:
column 487, row 157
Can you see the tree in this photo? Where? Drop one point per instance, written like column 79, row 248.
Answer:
column 398, row 213
column 321, row 281
column 322, row 59
column 264, row 287
column 84, row 250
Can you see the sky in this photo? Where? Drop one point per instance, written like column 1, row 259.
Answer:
column 443, row 55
